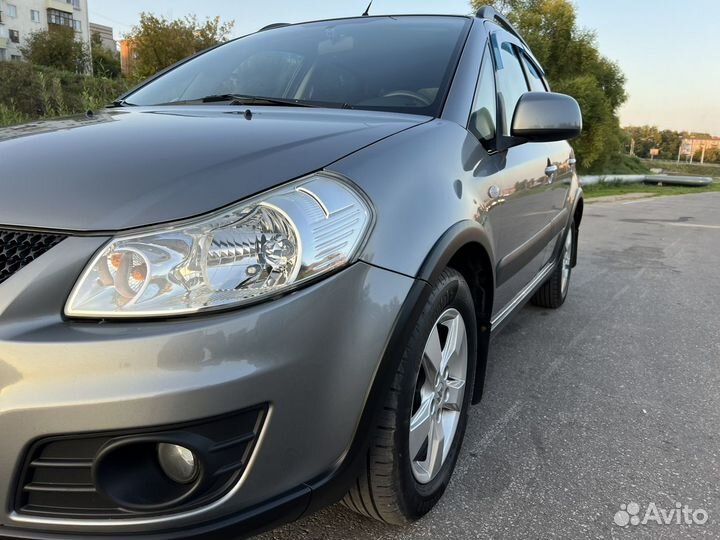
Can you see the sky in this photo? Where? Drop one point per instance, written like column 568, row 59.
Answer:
column 668, row 50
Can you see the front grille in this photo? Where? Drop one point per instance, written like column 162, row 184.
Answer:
column 56, row 479
column 20, row 248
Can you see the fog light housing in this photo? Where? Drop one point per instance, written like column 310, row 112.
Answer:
column 177, row 462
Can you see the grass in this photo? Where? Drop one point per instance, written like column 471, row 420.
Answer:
column 29, row 92
column 604, row 189
column 622, row 164
column 673, row 167
column 10, row 116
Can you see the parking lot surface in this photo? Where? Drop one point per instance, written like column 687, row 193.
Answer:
column 611, row 400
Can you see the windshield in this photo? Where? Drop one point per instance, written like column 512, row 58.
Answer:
column 401, row 64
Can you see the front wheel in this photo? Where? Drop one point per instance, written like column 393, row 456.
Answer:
column 553, row 292
column 418, row 437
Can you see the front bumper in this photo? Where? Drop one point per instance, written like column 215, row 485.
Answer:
column 312, row 355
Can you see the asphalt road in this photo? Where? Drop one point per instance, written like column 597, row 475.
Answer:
column 610, row 400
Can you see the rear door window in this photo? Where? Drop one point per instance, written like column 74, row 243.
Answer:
column 534, row 78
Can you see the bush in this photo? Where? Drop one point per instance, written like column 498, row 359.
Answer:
column 57, row 48
column 106, row 63
column 29, row 92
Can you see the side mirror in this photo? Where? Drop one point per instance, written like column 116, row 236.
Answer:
column 482, row 124
column 546, row 117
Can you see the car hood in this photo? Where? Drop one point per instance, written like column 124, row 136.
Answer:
column 130, row 167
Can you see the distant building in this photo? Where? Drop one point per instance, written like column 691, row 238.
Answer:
column 128, row 56
column 690, row 146
column 20, row 18
column 106, row 35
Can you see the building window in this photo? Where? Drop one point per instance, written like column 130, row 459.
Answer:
column 35, row 15
column 77, row 25
column 14, row 36
column 15, row 57
column 75, row 3
column 59, row 17
column 12, row 10
column 2, row 55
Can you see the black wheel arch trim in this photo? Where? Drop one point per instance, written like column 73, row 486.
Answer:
column 333, row 486
column 455, row 238
column 458, row 236
column 577, row 214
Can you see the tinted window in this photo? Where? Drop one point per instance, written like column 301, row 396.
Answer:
column 510, row 80
column 483, row 119
column 535, row 79
column 400, row 64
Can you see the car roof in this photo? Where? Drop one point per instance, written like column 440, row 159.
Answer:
column 366, row 17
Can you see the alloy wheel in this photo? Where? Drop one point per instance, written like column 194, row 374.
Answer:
column 438, row 395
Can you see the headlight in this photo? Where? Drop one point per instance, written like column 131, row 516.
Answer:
column 263, row 246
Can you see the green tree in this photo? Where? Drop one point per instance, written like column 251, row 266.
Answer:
column 669, row 143
column 57, row 48
column 573, row 65
column 712, row 155
column 106, row 63
column 645, row 137
column 160, row 43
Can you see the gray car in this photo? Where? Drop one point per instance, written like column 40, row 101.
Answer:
column 266, row 279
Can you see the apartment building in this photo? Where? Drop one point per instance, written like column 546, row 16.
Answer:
column 691, row 145
column 107, row 39
column 20, row 18
column 128, row 56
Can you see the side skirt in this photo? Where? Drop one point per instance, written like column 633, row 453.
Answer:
column 521, row 298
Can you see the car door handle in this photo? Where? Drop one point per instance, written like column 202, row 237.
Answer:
column 550, row 170
column 572, row 161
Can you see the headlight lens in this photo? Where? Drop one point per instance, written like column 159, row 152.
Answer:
column 260, row 247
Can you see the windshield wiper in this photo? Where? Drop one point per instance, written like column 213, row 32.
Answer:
column 241, row 99
column 121, row 103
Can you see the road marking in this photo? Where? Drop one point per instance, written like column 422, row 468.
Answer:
column 591, row 277
column 643, row 199
column 615, row 296
column 499, row 426
column 697, row 225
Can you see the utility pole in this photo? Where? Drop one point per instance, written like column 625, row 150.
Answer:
column 702, row 156
column 692, row 149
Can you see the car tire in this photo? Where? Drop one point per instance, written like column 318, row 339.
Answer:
column 397, row 487
column 554, row 291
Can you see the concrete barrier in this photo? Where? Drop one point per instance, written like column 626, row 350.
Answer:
column 588, row 180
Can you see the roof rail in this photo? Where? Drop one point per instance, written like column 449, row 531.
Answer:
column 273, row 26
column 491, row 14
